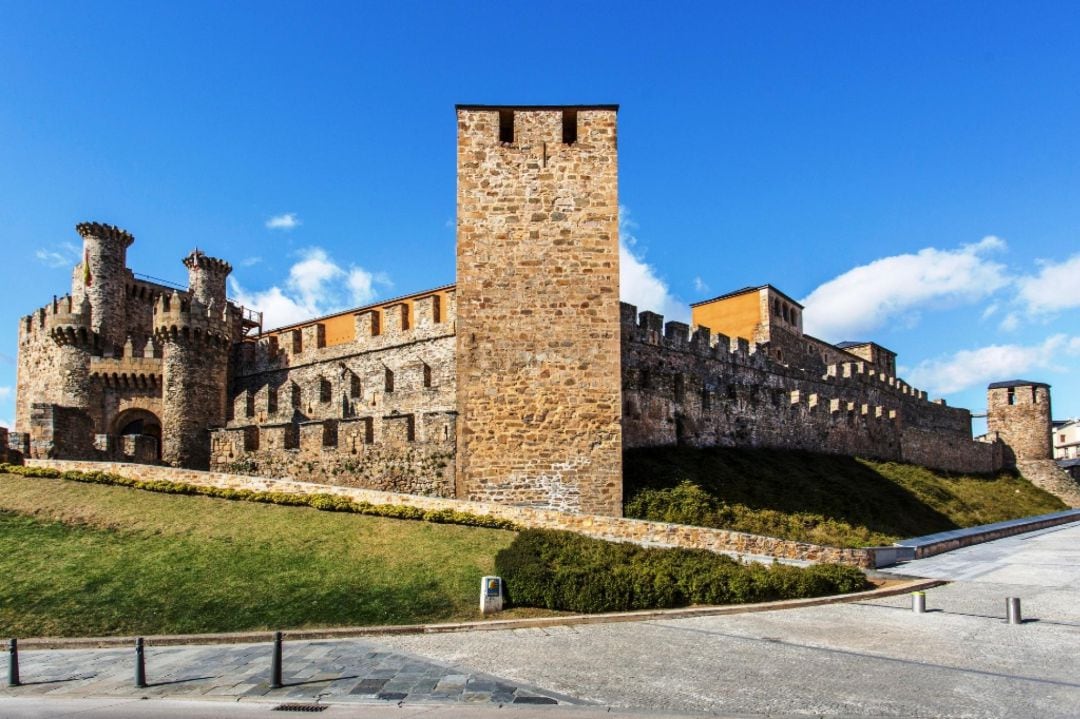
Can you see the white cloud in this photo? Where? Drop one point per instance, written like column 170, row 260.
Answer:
column 1010, row 322
column 893, row 289
column 283, row 222
column 250, row 261
column 5, row 393
column 1056, row 287
column 316, row 286
column 638, row 282
column 699, row 286
column 66, row 254
column 362, row 284
column 969, row 368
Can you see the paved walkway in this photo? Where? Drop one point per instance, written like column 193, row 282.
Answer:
column 871, row 659
column 346, row 670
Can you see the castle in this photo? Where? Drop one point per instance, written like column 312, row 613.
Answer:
column 522, row 383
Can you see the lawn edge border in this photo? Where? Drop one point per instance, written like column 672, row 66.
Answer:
column 164, row 640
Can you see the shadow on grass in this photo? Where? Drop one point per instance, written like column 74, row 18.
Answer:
column 836, row 487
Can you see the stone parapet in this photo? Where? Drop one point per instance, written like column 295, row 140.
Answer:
column 182, row 318
column 127, row 371
column 694, row 387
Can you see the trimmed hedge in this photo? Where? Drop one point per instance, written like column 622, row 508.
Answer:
column 566, row 571
column 323, row 502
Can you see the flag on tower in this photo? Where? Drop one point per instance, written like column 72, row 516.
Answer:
column 195, row 261
column 86, row 277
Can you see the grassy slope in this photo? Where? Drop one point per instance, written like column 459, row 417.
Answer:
column 92, row 560
column 819, row 498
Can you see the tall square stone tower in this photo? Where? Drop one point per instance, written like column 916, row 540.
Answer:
column 538, row 359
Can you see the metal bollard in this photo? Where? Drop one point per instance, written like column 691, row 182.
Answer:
column 918, row 602
column 140, row 664
column 1012, row 610
column 13, row 663
column 275, row 663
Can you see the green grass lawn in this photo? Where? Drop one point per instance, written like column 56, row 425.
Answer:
column 84, row 560
column 825, row 499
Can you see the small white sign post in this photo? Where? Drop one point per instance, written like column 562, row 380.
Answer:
column 491, row 595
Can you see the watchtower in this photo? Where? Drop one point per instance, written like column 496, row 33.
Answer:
column 102, row 279
column 194, row 332
column 206, row 279
column 1019, row 412
column 538, row 363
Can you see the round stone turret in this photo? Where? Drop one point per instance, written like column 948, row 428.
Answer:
column 1019, row 412
column 195, row 358
column 68, row 323
column 206, row 279
column 101, row 278
column 182, row 318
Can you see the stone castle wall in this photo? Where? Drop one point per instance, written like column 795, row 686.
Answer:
column 702, row 389
column 377, row 412
column 538, row 296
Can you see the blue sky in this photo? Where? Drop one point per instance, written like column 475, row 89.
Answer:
column 909, row 170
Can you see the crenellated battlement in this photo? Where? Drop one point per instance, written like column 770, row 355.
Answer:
column 105, row 233
column 199, row 260
column 68, row 323
column 181, row 318
column 649, row 328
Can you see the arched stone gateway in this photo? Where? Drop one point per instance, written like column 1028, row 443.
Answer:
column 140, row 428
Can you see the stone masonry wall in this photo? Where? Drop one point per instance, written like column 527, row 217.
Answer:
column 708, row 390
column 538, row 296
column 618, row 529
column 378, row 412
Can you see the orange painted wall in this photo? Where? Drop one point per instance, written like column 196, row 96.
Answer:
column 736, row 316
column 341, row 328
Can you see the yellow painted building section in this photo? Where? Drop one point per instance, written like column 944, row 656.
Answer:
column 341, row 327
column 734, row 316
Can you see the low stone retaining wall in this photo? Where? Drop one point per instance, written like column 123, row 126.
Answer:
column 618, row 529
column 931, row 544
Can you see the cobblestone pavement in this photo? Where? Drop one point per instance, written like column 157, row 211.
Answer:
column 330, row 670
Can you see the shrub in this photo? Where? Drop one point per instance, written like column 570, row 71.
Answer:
column 566, row 571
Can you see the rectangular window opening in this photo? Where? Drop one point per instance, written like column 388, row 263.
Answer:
column 506, row 126
column 569, row 127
